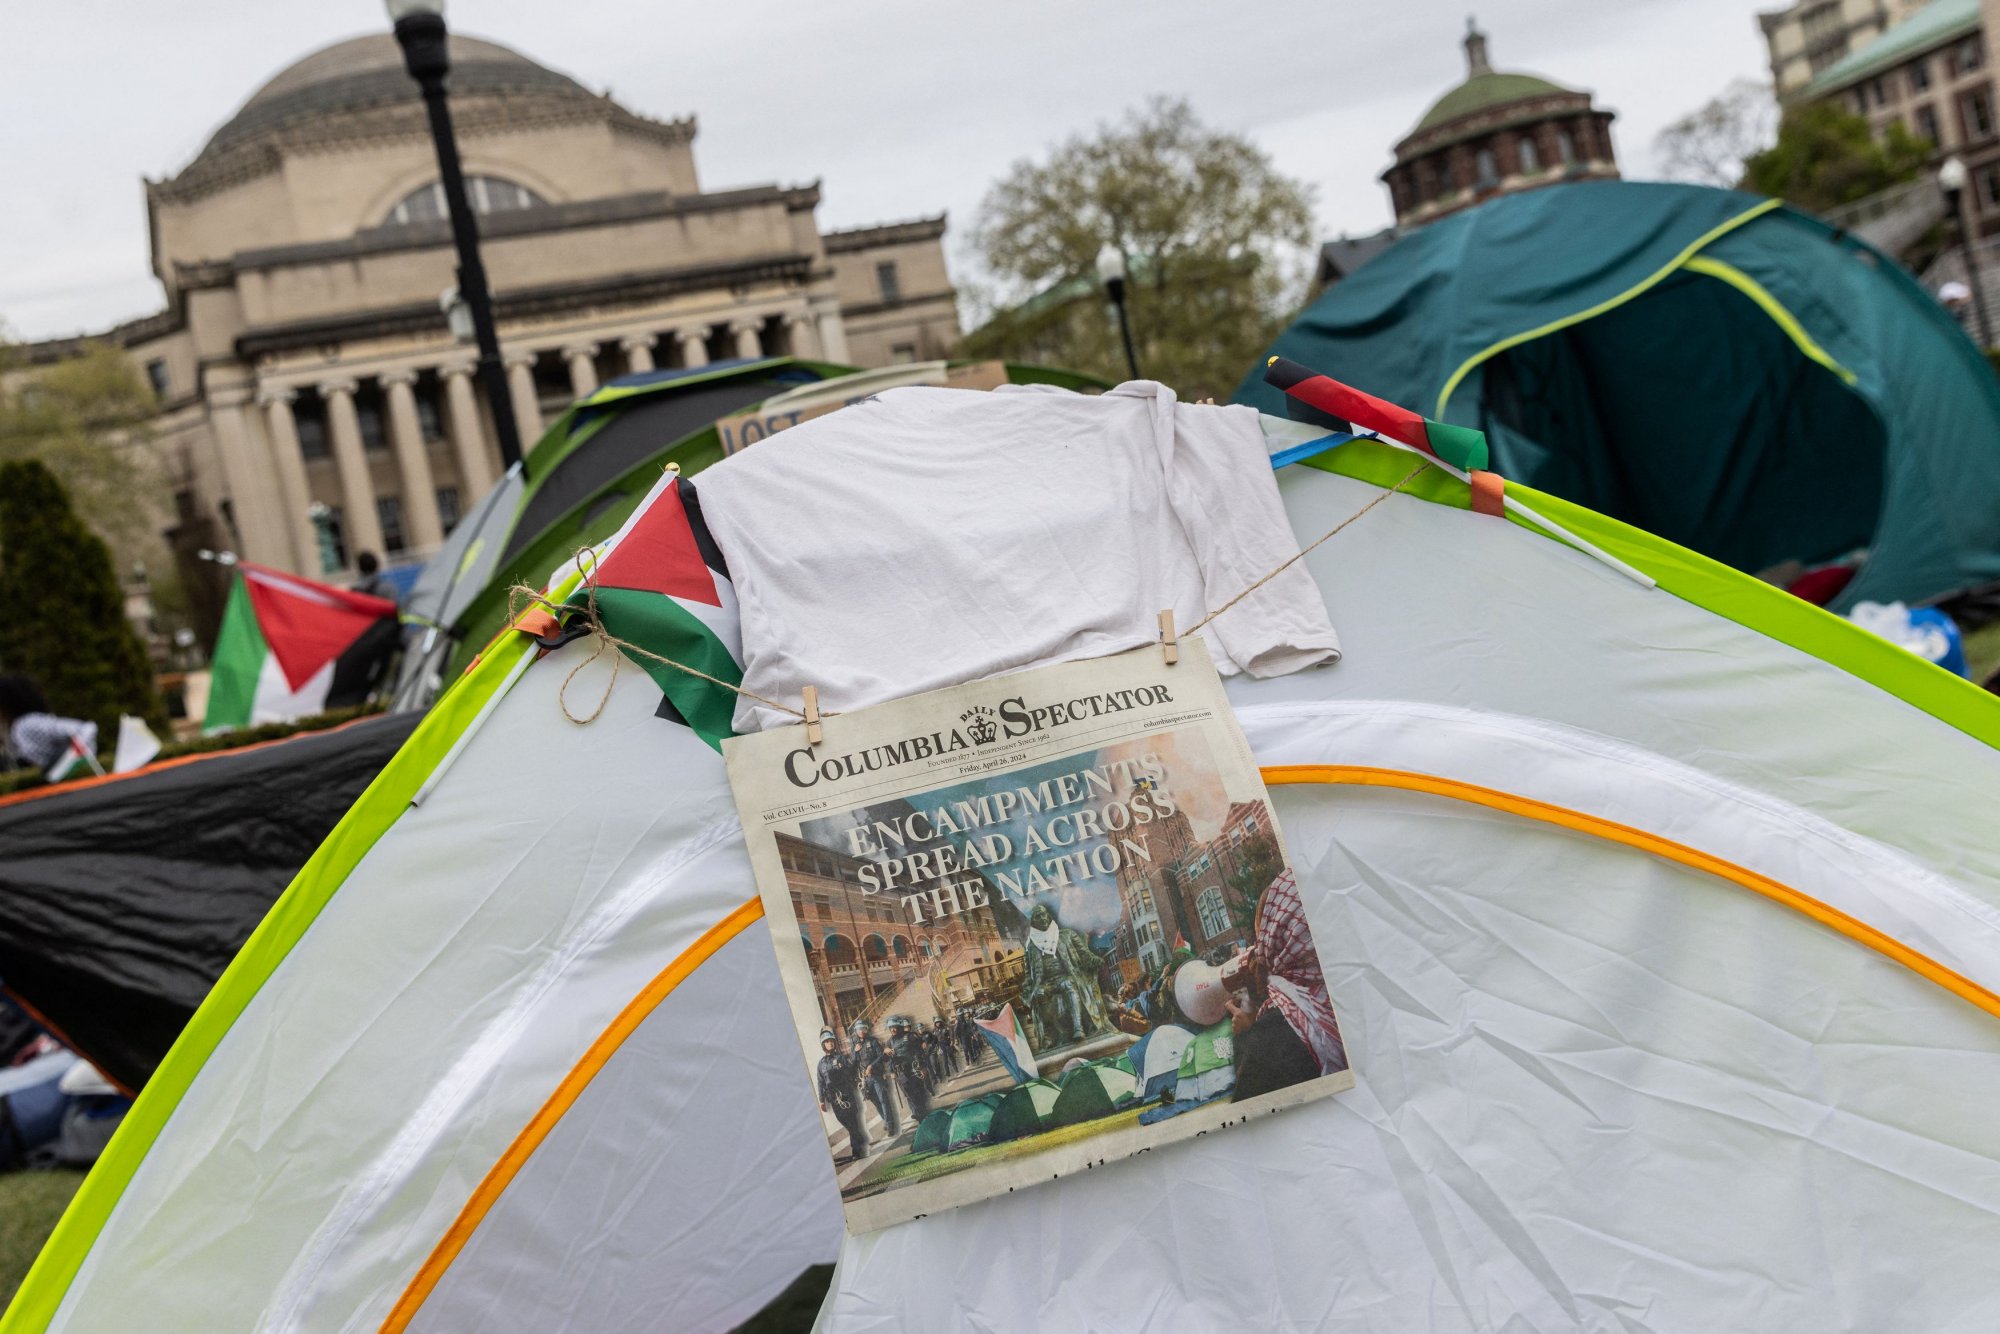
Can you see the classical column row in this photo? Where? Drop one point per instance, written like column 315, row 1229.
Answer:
column 810, row 334
column 424, row 525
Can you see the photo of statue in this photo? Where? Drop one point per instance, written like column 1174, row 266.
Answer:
column 1061, row 984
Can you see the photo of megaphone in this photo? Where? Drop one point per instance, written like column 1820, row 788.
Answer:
column 1201, row 993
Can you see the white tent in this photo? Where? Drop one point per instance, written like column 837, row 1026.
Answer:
column 1662, row 915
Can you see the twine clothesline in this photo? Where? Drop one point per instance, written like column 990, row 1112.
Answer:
column 522, row 597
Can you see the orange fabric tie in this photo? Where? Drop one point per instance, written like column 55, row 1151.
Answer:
column 1489, row 493
column 538, row 622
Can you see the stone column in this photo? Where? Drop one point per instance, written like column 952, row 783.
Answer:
column 361, row 526
column 477, row 459
column 747, row 345
column 527, row 411
column 406, row 437
column 582, row 358
column 799, row 336
column 833, row 337
column 694, row 346
column 291, row 465
column 638, row 352
column 253, row 495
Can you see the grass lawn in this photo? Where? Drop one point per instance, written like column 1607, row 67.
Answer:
column 30, row 1204
column 923, row 1166
column 1982, row 651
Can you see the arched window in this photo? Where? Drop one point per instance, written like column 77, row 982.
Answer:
column 1214, row 913
column 1566, row 145
column 489, row 194
column 902, row 947
column 1531, row 161
column 875, row 947
column 1488, row 168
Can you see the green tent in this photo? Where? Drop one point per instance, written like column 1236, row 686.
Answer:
column 972, row 1121
column 1720, row 369
column 1024, row 1109
column 1090, row 1092
column 933, row 1133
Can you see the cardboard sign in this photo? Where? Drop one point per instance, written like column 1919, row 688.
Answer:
column 746, row 428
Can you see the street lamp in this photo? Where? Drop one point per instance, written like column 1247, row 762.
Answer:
column 420, row 30
column 1951, row 179
column 1111, row 272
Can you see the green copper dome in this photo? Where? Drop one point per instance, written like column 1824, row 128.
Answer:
column 1482, row 91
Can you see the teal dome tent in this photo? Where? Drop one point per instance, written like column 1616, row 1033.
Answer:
column 1720, row 369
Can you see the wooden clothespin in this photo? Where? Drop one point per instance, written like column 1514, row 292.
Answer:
column 1170, row 640
column 811, row 694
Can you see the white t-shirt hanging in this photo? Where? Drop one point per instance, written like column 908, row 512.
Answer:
column 927, row 537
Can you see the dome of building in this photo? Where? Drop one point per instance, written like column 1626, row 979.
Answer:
column 1495, row 133
column 1481, row 91
column 363, row 73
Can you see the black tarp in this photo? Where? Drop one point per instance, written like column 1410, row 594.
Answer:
column 121, row 902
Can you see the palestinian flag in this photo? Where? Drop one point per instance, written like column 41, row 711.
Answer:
column 1460, row 446
column 292, row 647
column 1003, row 1033
column 665, row 589
column 81, row 752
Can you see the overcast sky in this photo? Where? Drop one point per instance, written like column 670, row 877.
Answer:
column 900, row 109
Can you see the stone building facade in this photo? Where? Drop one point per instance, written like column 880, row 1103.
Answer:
column 1933, row 75
column 1807, row 38
column 303, row 357
column 1496, row 133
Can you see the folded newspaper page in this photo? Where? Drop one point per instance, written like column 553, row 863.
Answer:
column 1032, row 926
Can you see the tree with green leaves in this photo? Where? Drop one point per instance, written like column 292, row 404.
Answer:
column 86, row 417
column 1258, row 862
column 1215, row 240
column 1827, row 156
column 66, row 616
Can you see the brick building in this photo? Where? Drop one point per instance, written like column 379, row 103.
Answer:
column 864, row 948
column 1931, row 74
column 1496, row 133
column 1185, row 889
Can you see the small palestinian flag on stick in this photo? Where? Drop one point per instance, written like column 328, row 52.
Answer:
column 292, row 647
column 1460, row 446
column 80, row 751
column 665, row 590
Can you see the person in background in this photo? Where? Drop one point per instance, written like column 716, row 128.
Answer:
column 372, row 581
column 36, row 737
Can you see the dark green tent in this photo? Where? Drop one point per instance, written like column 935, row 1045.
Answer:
column 1024, row 1109
column 1092, row 1091
column 972, row 1121
column 1719, row 369
column 934, row 1133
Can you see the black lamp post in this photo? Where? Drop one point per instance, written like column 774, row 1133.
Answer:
column 1951, row 179
column 1111, row 272
column 421, row 31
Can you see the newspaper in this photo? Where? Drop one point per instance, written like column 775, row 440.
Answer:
column 1031, row 926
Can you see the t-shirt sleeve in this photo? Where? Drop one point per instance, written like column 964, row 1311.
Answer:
column 1220, row 483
